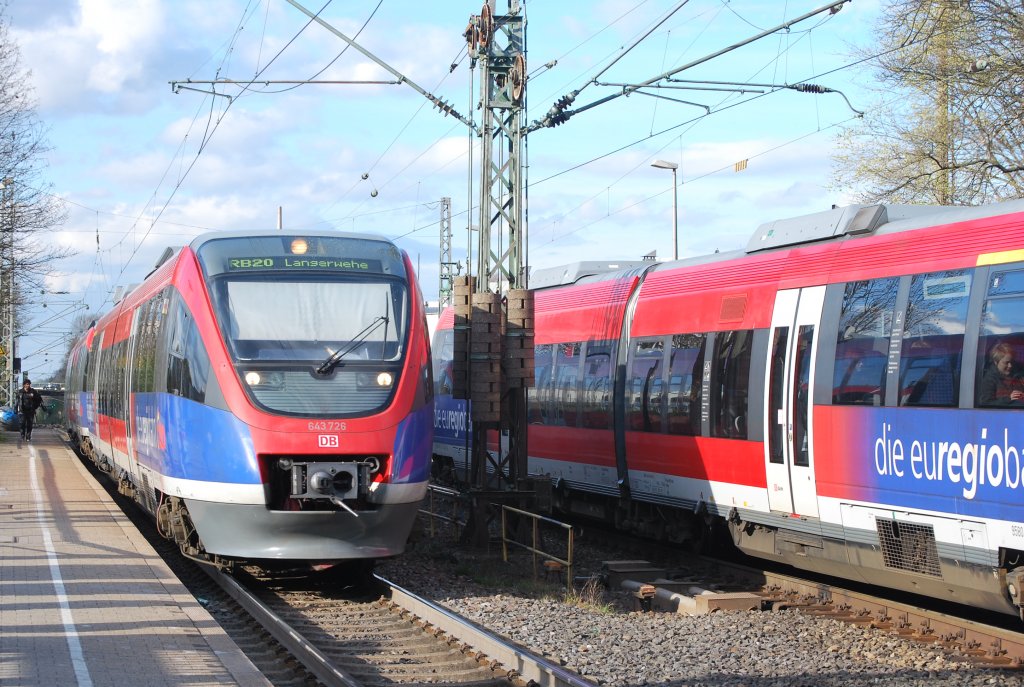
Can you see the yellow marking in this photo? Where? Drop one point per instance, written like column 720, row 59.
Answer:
column 1001, row 257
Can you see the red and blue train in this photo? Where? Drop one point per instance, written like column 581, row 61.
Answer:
column 843, row 395
column 265, row 396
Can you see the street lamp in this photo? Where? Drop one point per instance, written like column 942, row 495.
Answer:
column 662, row 164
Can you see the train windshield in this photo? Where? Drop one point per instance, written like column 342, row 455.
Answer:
column 321, row 334
column 312, row 321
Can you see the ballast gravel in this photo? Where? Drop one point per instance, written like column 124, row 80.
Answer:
column 601, row 638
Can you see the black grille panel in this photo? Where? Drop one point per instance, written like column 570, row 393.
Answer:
column 348, row 392
column 908, row 546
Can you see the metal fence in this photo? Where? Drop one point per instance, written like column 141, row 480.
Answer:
column 446, row 505
column 537, row 541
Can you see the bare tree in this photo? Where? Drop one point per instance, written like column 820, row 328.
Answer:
column 946, row 128
column 29, row 208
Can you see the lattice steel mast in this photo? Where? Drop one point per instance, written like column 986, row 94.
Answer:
column 447, row 267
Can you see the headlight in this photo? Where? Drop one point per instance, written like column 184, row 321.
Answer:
column 264, row 380
column 375, row 380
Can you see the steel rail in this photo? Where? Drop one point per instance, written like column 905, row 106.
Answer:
column 987, row 643
column 527, row 664
column 312, row 658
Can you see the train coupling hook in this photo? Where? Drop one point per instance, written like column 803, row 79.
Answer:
column 323, row 483
column 341, row 504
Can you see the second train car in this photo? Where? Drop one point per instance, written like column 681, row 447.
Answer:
column 844, row 395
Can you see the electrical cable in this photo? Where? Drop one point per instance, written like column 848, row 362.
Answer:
column 207, row 137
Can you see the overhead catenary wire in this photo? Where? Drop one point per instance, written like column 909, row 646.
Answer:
column 207, row 137
column 158, row 219
column 559, row 111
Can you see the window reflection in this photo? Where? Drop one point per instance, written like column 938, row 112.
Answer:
column 862, row 347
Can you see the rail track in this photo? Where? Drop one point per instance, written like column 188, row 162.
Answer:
column 978, row 642
column 349, row 640
column 307, row 630
column 723, row 585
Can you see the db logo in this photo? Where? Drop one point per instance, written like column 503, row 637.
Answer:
column 328, row 440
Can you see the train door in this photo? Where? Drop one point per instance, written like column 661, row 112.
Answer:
column 92, row 387
column 100, row 398
column 129, row 402
column 788, row 396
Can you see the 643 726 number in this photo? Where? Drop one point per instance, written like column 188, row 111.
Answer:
column 326, row 426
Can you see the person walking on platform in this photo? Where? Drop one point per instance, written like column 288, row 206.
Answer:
column 27, row 402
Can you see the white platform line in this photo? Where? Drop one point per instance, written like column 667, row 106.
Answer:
column 70, row 631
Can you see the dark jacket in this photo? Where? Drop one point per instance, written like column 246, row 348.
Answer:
column 995, row 388
column 27, row 401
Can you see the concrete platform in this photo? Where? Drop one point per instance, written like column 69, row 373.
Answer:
column 84, row 600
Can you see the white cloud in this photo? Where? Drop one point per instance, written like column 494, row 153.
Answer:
column 102, row 49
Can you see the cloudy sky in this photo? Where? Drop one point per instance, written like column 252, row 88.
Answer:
column 142, row 167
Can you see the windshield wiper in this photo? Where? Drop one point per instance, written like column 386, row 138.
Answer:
column 332, row 361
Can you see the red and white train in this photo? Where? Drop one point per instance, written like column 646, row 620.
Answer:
column 265, row 396
column 842, row 394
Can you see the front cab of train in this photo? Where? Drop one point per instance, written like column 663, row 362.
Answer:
column 329, row 372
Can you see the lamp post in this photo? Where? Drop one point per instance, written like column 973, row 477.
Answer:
column 662, row 164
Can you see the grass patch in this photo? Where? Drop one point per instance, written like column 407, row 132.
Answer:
column 590, row 596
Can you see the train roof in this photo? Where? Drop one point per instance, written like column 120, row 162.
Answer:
column 574, row 272
column 837, row 223
column 856, row 220
column 203, row 238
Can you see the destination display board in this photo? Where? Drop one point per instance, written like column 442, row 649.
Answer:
column 293, row 262
column 299, row 254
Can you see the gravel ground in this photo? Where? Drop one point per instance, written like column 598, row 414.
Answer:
column 595, row 633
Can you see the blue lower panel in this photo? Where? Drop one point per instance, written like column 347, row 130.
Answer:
column 188, row 440
column 253, row 532
column 413, row 447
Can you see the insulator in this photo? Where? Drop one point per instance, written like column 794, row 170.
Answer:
column 811, row 88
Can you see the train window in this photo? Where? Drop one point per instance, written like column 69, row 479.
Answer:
column 802, row 394
column 1006, row 282
column 730, row 384
column 567, row 364
column 1000, row 364
column 539, row 409
column 644, row 386
column 862, row 348
column 104, row 385
column 684, row 383
column 197, row 372
column 274, row 319
column 143, row 362
column 597, row 385
column 90, row 361
column 776, row 391
column 188, row 365
column 120, row 378
column 444, row 353
column 933, row 338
